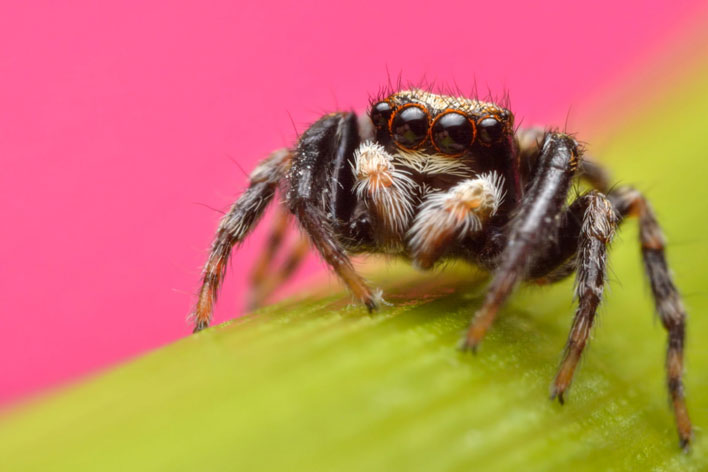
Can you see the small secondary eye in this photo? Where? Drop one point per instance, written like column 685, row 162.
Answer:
column 490, row 130
column 381, row 113
column 409, row 126
column 452, row 133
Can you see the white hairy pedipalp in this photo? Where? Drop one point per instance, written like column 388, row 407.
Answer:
column 456, row 213
column 386, row 190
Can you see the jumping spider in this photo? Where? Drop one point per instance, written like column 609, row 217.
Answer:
column 432, row 177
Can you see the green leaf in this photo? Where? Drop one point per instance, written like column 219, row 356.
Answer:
column 317, row 385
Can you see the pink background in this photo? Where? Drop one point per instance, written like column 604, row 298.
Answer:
column 119, row 120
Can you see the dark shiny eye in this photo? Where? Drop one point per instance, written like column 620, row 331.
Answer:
column 452, row 133
column 409, row 126
column 490, row 130
column 380, row 114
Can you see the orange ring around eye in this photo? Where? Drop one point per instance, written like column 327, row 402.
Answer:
column 396, row 111
column 391, row 105
column 447, row 112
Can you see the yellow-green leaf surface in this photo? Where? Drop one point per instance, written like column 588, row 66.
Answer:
column 317, row 385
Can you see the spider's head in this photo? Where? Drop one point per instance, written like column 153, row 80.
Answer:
column 416, row 120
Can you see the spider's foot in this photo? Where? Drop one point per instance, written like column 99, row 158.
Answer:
column 563, row 378
column 475, row 333
column 559, row 394
column 374, row 300
column 685, row 444
column 466, row 346
column 683, row 423
column 254, row 299
column 200, row 325
column 472, row 339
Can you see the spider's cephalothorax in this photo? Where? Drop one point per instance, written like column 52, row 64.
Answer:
column 438, row 171
column 431, row 177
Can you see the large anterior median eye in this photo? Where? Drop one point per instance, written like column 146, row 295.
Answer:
column 452, row 133
column 409, row 126
column 381, row 113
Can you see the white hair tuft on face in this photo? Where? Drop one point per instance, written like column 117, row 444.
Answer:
column 432, row 164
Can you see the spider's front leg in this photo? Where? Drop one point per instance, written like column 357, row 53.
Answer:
column 536, row 220
column 321, row 194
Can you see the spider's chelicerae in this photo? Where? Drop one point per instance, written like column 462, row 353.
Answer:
column 432, row 177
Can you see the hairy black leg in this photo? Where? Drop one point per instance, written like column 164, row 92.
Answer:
column 630, row 202
column 278, row 230
column 599, row 223
column 529, row 142
column 595, row 174
column 282, row 273
column 321, row 195
column 263, row 266
column 315, row 224
column 277, row 276
column 585, row 232
column 235, row 226
column 536, row 220
column 557, row 259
